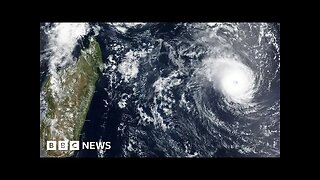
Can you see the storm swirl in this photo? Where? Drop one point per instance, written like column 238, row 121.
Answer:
column 186, row 90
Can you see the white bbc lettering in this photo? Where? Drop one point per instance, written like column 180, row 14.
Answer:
column 51, row 145
column 74, row 145
column 103, row 145
column 92, row 145
column 63, row 145
column 108, row 145
column 85, row 145
column 100, row 145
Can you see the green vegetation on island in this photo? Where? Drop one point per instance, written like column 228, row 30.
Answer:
column 67, row 110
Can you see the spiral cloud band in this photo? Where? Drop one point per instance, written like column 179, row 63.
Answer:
column 164, row 89
column 234, row 79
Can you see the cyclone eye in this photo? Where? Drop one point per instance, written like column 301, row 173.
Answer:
column 233, row 78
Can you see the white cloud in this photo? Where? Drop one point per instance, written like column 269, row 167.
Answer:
column 63, row 38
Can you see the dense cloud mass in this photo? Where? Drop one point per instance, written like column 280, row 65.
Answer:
column 174, row 89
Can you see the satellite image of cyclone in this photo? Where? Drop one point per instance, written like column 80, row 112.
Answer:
column 161, row 89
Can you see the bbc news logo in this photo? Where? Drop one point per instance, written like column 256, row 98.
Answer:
column 75, row 145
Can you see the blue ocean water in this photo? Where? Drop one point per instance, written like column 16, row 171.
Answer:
column 190, row 132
